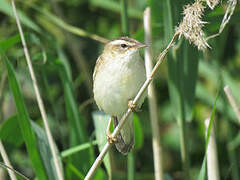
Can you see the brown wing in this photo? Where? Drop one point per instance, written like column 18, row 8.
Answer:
column 99, row 62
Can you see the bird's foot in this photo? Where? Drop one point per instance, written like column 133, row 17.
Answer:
column 133, row 106
column 111, row 139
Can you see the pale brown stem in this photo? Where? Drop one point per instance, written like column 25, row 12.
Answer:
column 38, row 96
column 152, row 100
column 212, row 159
column 6, row 161
column 232, row 101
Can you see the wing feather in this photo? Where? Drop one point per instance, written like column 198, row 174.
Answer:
column 99, row 62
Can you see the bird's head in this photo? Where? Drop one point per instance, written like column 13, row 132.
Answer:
column 123, row 47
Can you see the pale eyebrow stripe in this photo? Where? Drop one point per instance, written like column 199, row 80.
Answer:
column 118, row 42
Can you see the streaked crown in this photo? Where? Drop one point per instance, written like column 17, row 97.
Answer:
column 123, row 45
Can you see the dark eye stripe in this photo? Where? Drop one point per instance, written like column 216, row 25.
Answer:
column 123, row 45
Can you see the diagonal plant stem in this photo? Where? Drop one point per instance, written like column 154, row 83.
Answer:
column 70, row 28
column 39, row 99
column 157, row 149
column 6, row 161
column 232, row 101
column 64, row 25
column 227, row 16
column 13, row 170
column 105, row 149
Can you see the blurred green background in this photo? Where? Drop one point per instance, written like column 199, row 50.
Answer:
column 60, row 36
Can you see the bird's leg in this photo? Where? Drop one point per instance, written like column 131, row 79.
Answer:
column 110, row 139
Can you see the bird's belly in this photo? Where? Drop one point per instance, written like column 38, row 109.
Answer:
column 113, row 89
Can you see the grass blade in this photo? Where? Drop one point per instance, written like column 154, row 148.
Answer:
column 100, row 123
column 7, row 43
column 72, row 29
column 115, row 7
column 38, row 95
column 45, row 151
column 202, row 174
column 24, row 122
column 10, row 127
column 72, row 111
column 138, row 132
column 7, row 9
column 78, row 134
column 182, row 72
column 76, row 149
column 76, row 172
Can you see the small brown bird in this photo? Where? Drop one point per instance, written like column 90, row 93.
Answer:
column 118, row 75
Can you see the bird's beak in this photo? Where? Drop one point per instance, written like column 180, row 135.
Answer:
column 141, row 45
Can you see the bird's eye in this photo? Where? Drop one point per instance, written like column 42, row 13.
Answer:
column 123, row 45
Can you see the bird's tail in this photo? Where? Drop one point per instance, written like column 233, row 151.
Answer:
column 125, row 139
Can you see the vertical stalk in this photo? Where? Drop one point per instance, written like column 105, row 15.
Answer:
column 212, row 159
column 124, row 18
column 232, row 152
column 125, row 32
column 232, row 101
column 131, row 165
column 39, row 98
column 177, row 79
column 152, row 99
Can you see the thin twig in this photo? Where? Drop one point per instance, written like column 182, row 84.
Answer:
column 212, row 159
column 39, row 99
column 152, row 100
column 129, row 110
column 6, row 161
column 10, row 168
column 227, row 16
column 85, row 103
column 232, row 101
